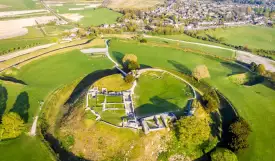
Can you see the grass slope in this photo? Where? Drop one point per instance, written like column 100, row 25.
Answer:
column 251, row 36
column 113, row 82
column 255, row 103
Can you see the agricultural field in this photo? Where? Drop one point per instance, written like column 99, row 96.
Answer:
column 133, row 4
column 19, row 5
column 90, row 16
column 34, row 37
column 246, row 99
column 159, row 92
column 253, row 37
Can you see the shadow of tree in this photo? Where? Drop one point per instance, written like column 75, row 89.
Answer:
column 3, row 100
column 12, row 79
column 21, row 106
column 180, row 67
column 235, row 69
column 159, row 105
column 118, row 56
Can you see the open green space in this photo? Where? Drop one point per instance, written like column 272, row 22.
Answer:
column 253, row 37
column 24, row 148
column 114, row 99
column 254, row 103
column 19, row 5
column 159, row 92
column 113, row 82
column 92, row 17
column 113, row 116
column 42, row 77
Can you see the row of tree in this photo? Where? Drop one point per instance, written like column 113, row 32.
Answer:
column 19, row 48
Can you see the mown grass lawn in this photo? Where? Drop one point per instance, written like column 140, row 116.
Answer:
column 254, row 37
column 157, row 92
column 254, row 103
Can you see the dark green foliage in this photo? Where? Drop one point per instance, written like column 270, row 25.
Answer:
column 253, row 66
column 239, row 132
column 211, row 101
column 129, row 78
column 3, row 100
column 143, row 40
column 68, row 141
column 132, row 65
column 21, row 106
column 222, row 154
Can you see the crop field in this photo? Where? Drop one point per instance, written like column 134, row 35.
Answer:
column 56, row 30
column 247, row 100
column 157, row 92
column 19, row 5
column 92, row 17
column 254, row 37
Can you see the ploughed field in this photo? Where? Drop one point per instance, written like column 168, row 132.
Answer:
column 254, row 103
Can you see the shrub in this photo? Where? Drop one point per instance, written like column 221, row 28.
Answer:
column 261, row 69
column 239, row 132
column 143, row 40
column 200, row 72
column 222, row 154
column 129, row 78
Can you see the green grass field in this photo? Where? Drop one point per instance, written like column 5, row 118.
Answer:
column 92, row 17
column 254, row 37
column 42, row 77
column 113, row 82
column 157, row 92
column 114, row 99
column 254, row 103
column 19, row 5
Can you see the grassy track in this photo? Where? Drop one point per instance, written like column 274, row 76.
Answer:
column 157, row 92
column 251, row 36
column 255, row 103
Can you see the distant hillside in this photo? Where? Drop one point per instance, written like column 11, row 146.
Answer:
column 131, row 4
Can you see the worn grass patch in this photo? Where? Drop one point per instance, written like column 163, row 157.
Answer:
column 113, row 82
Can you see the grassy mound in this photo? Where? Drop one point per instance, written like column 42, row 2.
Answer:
column 240, row 79
column 113, row 82
column 159, row 92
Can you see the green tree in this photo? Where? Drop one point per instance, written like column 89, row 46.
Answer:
column 192, row 131
column 200, row 72
column 261, row 69
column 12, row 126
column 222, row 154
column 129, row 78
column 253, row 66
column 3, row 100
column 211, row 101
column 239, row 132
column 132, row 65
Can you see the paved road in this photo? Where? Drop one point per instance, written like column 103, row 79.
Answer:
column 242, row 56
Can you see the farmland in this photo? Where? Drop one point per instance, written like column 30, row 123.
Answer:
column 19, row 5
column 245, row 99
column 91, row 16
column 254, row 37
